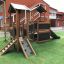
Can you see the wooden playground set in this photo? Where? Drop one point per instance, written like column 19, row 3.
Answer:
column 34, row 28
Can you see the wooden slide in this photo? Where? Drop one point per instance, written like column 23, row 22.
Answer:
column 26, row 47
column 54, row 36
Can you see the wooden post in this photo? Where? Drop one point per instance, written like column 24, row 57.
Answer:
column 22, row 29
column 13, row 18
column 30, row 15
column 4, row 18
column 33, row 29
column 26, row 24
column 17, row 25
column 10, row 20
column 37, row 30
column 4, row 6
column 25, row 17
column 44, row 17
column 17, row 29
column 40, row 13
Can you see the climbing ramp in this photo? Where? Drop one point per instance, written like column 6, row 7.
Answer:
column 53, row 35
column 26, row 47
column 5, row 49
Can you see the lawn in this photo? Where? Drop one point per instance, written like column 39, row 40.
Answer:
column 51, row 52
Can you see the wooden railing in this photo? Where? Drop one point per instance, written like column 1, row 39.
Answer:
column 33, row 17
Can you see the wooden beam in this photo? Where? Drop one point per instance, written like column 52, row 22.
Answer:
column 17, row 29
column 37, row 30
column 4, row 12
column 13, row 18
column 26, row 23
column 10, row 23
column 25, row 17
column 4, row 18
column 45, row 18
column 30, row 15
column 17, row 24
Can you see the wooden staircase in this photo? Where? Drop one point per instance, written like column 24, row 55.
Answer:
column 5, row 49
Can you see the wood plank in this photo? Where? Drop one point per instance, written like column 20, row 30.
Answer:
column 42, row 31
column 17, row 29
column 43, row 40
column 31, row 47
column 23, row 49
column 44, row 22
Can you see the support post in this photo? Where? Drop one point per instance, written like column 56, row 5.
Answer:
column 25, row 17
column 17, row 29
column 10, row 20
column 44, row 17
column 4, row 19
column 26, row 23
column 30, row 15
column 37, row 30
column 13, row 17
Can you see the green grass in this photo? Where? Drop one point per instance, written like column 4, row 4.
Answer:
column 51, row 52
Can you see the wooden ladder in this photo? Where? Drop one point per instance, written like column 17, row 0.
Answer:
column 7, row 47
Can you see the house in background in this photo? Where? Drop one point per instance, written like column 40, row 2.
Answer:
column 60, row 19
column 56, row 18
column 52, row 16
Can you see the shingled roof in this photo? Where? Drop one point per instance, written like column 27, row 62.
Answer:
column 28, row 3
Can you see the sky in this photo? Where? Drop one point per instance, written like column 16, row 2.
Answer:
column 57, row 4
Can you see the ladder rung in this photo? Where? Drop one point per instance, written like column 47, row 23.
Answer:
column 3, row 50
column 6, row 48
column 11, row 43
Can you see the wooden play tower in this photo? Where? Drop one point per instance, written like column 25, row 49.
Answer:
column 27, row 24
column 20, row 41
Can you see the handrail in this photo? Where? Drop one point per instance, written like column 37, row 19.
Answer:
column 22, row 19
column 31, row 17
column 36, row 18
column 35, row 14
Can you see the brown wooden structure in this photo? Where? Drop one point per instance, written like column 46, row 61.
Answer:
column 35, row 26
column 41, row 27
column 34, row 18
column 18, row 39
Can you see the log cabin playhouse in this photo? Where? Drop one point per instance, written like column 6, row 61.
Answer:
column 30, row 20
column 35, row 17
